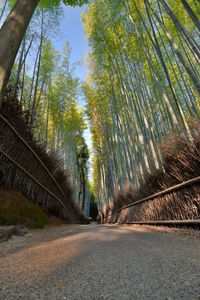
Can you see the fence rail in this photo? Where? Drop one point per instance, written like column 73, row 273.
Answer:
column 67, row 208
column 159, row 194
column 187, row 223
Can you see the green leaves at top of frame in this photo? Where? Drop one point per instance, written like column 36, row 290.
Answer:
column 53, row 3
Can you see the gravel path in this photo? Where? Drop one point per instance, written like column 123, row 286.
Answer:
column 100, row 262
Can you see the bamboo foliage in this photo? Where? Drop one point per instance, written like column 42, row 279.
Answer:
column 143, row 83
column 48, row 89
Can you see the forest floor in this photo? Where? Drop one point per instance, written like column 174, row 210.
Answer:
column 101, row 262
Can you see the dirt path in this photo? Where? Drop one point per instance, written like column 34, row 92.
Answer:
column 100, row 262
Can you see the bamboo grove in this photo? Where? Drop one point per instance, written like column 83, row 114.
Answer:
column 49, row 90
column 143, row 83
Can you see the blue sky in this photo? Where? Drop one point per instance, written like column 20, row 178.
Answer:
column 71, row 30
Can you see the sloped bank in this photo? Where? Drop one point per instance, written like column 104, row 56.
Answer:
column 26, row 166
column 15, row 209
column 181, row 160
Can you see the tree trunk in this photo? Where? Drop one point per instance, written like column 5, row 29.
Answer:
column 26, row 53
column 174, row 47
column 187, row 37
column 22, row 84
column 32, row 81
column 3, row 9
column 83, row 185
column 20, row 62
column 191, row 14
column 11, row 35
column 38, row 70
column 40, row 95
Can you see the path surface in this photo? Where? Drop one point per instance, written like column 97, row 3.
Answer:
column 100, row 262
